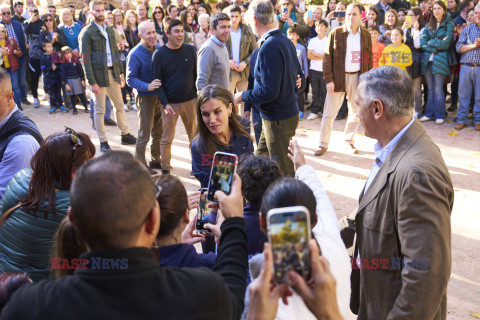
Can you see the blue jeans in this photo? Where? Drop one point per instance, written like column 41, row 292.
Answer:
column 469, row 82
column 22, row 77
column 17, row 95
column 108, row 108
column 435, row 108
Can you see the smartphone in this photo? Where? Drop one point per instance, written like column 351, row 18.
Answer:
column 339, row 14
column 408, row 19
column 301, row 4
column 310, row 14
column 221, row 176
column 364, row 15
column 289, row 235
column 285, row 10
column 204, row 213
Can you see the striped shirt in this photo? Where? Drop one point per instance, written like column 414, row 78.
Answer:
column 468, row 36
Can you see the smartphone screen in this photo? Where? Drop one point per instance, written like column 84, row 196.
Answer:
column 339, row 14
column 364, row 15
column 302, row 5
column 289, row 234
column 204, row 213
column 285, row 10
column 408, row 19
column 223, row 169
column 310, row 14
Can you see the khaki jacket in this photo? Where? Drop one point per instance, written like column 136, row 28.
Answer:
column 335, row 52
column 405, row 213
column 248, row 43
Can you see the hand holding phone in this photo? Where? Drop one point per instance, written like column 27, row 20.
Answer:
column 339, row 14
column 289, row 234
column 221, row 175
column 408, row 20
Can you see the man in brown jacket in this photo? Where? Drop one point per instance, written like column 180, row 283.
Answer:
column 402, row 257
column 347, row 55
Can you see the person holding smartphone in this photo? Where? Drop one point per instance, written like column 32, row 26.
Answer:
column 288, row 17
column 337, row 18
column 306, row 190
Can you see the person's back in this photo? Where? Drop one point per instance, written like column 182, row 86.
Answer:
column 122, row 279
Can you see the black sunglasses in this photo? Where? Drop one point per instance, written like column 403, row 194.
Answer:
column 47, row 20
column 157, row 12
column 7, row 13
column 75, row 139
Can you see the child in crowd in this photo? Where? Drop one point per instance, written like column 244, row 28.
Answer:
column 50, row 65
column 302, row 59
column 398, row 54
column 73, row 79
column 377, row 46
column 315, row 51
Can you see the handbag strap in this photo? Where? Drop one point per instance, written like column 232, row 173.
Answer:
column 8, row 213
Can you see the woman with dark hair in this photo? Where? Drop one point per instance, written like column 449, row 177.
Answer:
column 36, row 200
column 413, row 33
column 187, row 19
column 175, row 238
column 9, row 283
column 219, row 128
column 307, row 190
column 332, row 4
column 372, row 17
column 204, row 8
column 193, row 12
column 131, row 29
column 67, row 245
column 436, row 41
column 52, row 33
column 391, row 22
column 157, row 17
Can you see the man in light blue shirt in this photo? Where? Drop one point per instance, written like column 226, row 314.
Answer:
column 19, row 137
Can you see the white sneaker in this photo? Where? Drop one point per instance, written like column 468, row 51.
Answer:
column 439, row 121
column 134, row 106
column 36, row 103
column 416, row 115
column 125, row 107
column 312, row 116
column 45, row 97
column 425, row 118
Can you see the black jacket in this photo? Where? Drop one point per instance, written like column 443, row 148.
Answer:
column 131, row 285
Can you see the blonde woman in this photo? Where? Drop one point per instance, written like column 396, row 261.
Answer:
column 70, row 28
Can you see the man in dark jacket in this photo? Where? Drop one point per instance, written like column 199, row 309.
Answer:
column 19, row 136
column 114, row 209
column 274, row 88
column 104, row 72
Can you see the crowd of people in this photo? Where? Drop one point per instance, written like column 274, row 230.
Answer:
column 104, row 231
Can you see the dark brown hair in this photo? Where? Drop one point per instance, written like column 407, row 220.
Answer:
column 45, row 16
column 9, row 283
column 184, row 18
column 418, row 12
column 172, row 23
column 208, row 141
column 53, row 165
column 173, row 202
column 432, row 23
column 67, row 244
column 376, row 13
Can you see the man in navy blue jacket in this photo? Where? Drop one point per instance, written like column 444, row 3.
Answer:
column 274, row 89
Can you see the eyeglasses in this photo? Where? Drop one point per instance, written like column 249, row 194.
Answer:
column 157, row 12
column 48, row 20
column 7, row 13
column 75, row 139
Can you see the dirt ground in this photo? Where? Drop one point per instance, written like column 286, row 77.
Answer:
column 343, row 176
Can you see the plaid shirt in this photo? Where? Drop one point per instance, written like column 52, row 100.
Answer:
column 468, row 36
column 10, row 31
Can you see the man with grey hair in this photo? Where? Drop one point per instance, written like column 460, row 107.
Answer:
column 274, row 88
column 402, row 257
column 213, row 62
column 140, row 78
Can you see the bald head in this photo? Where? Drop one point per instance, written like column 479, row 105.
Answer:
column 147, row 34
column 111, row 198
column 145, row 26
column 6, row 94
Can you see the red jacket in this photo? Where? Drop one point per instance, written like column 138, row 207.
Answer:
column 12, row 45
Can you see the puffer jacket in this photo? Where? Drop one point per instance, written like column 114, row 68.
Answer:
column 26, row 239
column 437, row 42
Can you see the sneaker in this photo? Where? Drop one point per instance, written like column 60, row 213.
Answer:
column 52, row 110
column 320, row 151
column 439, row 121
column 110, row 122
column 104, row 147
column 424, row 118
column 62, row 109
column 156, row 165
column 300, row 115
column 416, row 114
column 45, row 97
column 312, row 116
column 36, row 103
column 125, row 107
column 128, row 139
column 86, row 109
column 75, row 111
column 460, row 126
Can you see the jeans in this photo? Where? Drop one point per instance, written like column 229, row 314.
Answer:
column 257, row 123
column 319, row 91
column 17, row 95
column 435, row 108
column 108, row 108
column 469, row 82
column 22, row 76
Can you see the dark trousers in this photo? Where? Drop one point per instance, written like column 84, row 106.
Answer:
column 35, row 73
column 83, row 99
column 301, row 96
column 257, row 123
column 55, row 91
column 319, row 91
column 274, row 141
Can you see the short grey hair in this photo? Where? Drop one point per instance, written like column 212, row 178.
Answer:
column 263, row 11
column 392, row 86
